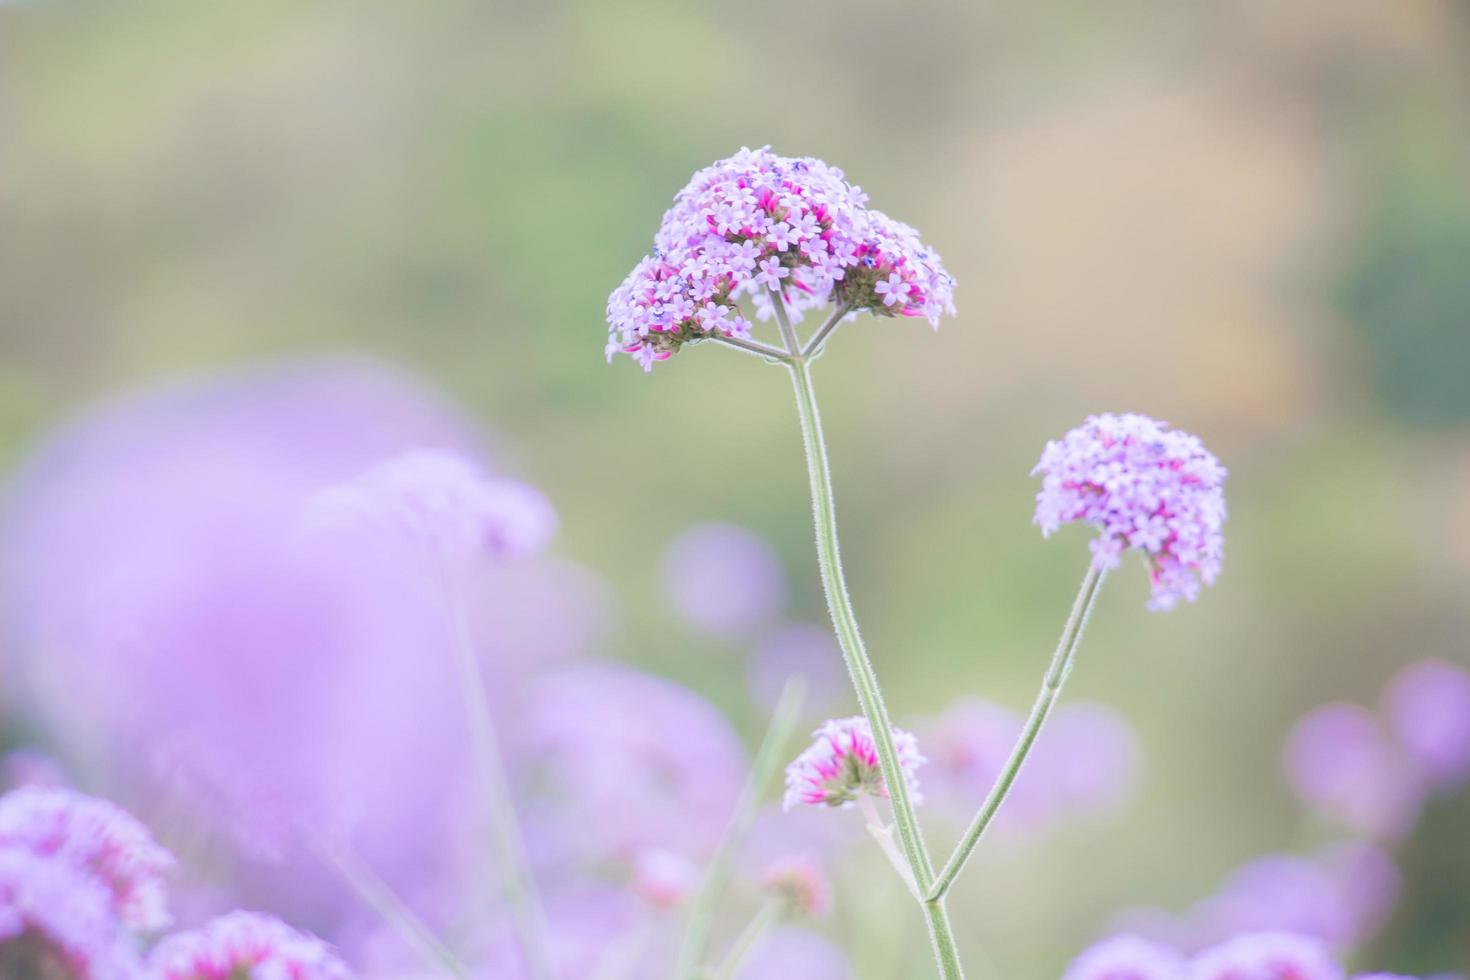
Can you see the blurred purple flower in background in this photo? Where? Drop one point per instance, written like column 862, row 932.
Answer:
column 788, row 951
column 249, row 945
column 802, row 650
column 1266, row 956
column 801, row 881
column 644, row 761
column 29, row 767
column 724, row 580
column 56, row 920
column 1086, row 761
column 1341, row 762
column 97, row 838
column 177, row 633
column 1428, row 707
column 1126, row 958
column 439, row 501
column 1342, row 897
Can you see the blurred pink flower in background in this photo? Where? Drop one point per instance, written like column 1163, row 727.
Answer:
column 1341, row 897
column 1342, row 762
column 803, row 650
column 245, row 944
column 723, row 580
column 1086, row 761
column 1126, row 958
column 97, row 838
column 1428, row 707
column 789, row 951
column 1266, row 956
column 617, row 761
column 183, row 641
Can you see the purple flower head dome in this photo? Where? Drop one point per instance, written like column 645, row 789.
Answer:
column 758, row 222
column 1144, row 487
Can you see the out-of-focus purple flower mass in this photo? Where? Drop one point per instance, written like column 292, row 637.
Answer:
column 1086, row 762
column 723, row 580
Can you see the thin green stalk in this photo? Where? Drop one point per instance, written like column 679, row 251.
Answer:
column 768, row 915
column 717, row 876
column 505, row 830
column 864, row 679
column 380, row 897
column 814, row 344
column 1051, row 688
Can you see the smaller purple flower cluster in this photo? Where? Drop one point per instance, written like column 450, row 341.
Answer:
column 842, row 765
column 1253, row 956
column 1372, row 772
column 82, row 885
column 756, row 223
column 1144, row 486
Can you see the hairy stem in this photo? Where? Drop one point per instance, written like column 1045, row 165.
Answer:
column 1051, row 689
column 751, row 346
column 717, row 876
column 495, row 789
column 864, row 679
column 814, row 345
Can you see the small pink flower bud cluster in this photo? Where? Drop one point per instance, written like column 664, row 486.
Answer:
column 800, row 880
column 842, row 765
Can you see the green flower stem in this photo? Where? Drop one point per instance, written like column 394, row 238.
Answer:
column 378, row 896
column 752, row 347
column 814, row 344
column 1051, row 689
column 717, row 876
column 864, row 679
column 495, row 789
column 768, row 915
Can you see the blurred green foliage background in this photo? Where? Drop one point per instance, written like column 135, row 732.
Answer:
column 1249, row 218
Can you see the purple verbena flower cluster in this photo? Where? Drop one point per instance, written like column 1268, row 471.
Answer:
column 842, row 764
column 759, row 222
column 1145, row 487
